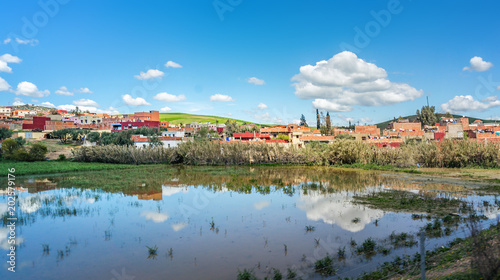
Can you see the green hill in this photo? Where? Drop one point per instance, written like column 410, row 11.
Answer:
column 177, row 118
column 383, row 125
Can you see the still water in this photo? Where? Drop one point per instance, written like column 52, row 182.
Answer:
column 209, row 223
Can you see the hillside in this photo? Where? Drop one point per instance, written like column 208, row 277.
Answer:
column 383, row 125
column 177, row 118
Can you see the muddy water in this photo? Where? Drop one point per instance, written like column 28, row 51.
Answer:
column 207, row 223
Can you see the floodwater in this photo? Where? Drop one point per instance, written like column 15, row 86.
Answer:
column 209, row 223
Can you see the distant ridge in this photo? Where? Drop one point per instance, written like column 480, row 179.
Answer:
column 383, row 125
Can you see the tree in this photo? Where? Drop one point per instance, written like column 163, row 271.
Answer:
column 93, row 137
column 5, row 133
column 328, row 124
column 427, row 116
column 318, row 121
column 9, row 146
column 37, row 152
column 283, row 137
column 303, row 120
column 448, row 115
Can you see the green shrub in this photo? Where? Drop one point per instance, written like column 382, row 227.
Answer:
column 37, row 152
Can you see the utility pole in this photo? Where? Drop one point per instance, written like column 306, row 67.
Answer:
column 427, row 101
column 422, row 255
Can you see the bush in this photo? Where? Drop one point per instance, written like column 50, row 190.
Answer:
column 62, row 157
column 9, row 146
column 37, row 152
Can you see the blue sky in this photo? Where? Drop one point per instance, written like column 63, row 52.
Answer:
column 381, row 58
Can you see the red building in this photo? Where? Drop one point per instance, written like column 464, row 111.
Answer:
column 133, row 125
column 247, row 136
column 38, row 123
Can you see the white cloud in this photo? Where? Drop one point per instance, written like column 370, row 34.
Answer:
column 498, row 87
column 10, row 58
column 262, row 106
column 154, row 216
column 47, row 104
column 85, row 102
column 167, row 97
column 464, row 103
column 30, row 89
column 365, row 120
column 256, row 81
column 496, row 118
column 165, row 109
column 228, row 114
column 346, row 80
column 64, row 91
column 4, row 67
column 332, row 106
column 221, row 98
column 18, row 102
column 478, row 64
column 172, row 64
column 150, row 74
column 6, row 41
column 85, row 90
column 4, row 86
column 31, row 42
column 129, row 100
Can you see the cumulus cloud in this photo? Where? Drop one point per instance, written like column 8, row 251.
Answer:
column 10, row 58
column 172, row 64
column 154, row 216
column 262, row 106
column 85, row 102
column 256, row 81
column 165, row 109
column 464, row 103
column 129, row 100
column 7, row 58
column 167, row 97
column 6, row 41
column 150, row 74
column 18, row 102
column 30, row 89
column 64, row 91
column 4, row 86
column 346, row 80
column 47, row 104
column 221, row 98
column 478, row 64
column 328, row 105
column 85, row 90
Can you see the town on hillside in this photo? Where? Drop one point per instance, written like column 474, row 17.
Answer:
column 39, row 123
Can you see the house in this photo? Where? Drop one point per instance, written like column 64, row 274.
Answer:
column 251, row 136
column 6, row 111
column 37, row 123
column 119, row 126
column 371, row 130
column 145, row 116
column 21, row 113
column 173, row 132
column 318, row 139
column 141, row 141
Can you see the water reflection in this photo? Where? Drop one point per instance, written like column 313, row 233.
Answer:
column 215, row 219
column 339, row 209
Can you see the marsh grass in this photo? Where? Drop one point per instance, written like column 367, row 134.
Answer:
column 324, row 266
column 310, row 228
column 446, row 153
